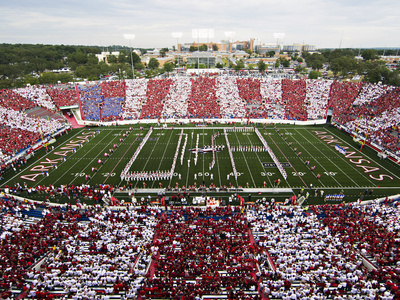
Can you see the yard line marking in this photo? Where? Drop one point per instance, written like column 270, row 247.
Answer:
column 245, row 159
column 343, row 158
column 150, row 155
column 79, row 160
column 219, row 172
column 355, row 149
column 313, row 157
column 305, row 184
column 43, row 157
column 251, row 144
column 163, row 156
column 190, row 158
column 131, row 144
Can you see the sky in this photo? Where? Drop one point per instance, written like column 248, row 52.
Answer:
column 323, row 23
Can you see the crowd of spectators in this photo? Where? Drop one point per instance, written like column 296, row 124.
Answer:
column 61, row 256
column 19, row 131
column 361, row 107
column 293, row 95
column 12, row 100
column 321, row 254
column 77, row 193
column 271, row 92
column 136, row 90
column 203, row 252
column 91, row 100
column 38, row 95
column 14, row 139
column 63, row 95
column 374, row 116
column 157, row 91
column 176, row 101
column 230, row 102
column 316, row 98
column 263, row 251
column 250, row 91
column 373, row 230
column 341, row 98
column 203, row 99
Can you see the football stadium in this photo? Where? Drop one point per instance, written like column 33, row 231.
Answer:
column 200, row 187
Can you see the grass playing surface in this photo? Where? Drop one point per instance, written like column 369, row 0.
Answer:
column 352, row 173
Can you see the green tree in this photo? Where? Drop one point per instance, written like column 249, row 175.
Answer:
column 284, row 62
column 112, row 59
column 81, row 72
column 378, row 72
column 261, row 66
column 219, row 65
column 31, row 80
column 48, row 78
column 215, row 47
column 136, row 58
column 122, row 57
column 65, row 77
column 314, row 75
column 239, row 65
column 315, row 61
column 300, row 69
column 163, row 52
column 79, row 57
column 203, row 47
column 271, row 53
column 6, row 83
column 153, row 63
column 92, row 60
column 168, row 67
column 139, row 66
column 344, row 65
column 369, row 54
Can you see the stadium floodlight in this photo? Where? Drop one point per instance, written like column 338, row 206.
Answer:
column 201, row 34
column 259, row 43
column 229, row 35
column 277, row 36
column 130, row 37
column 177, row 35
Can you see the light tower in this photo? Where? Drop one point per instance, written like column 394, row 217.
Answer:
column 201, row 33
column 130, row 37
column 229, row 35
column 278, row 36
column 177, row 35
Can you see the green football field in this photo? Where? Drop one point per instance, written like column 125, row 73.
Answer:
column 308, row 156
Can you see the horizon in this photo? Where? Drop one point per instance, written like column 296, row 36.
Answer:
column 149, row 48
column 155, row 23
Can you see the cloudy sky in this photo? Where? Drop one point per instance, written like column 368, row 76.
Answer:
column 324, row 23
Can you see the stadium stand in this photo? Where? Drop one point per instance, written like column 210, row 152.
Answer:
column 370, row 111
column 176, row 101
column 91, row 100
column 156, row 93
column 63, row 95
column 203, row 100
column 38, row 95
column 264, row 251
column 293, row 96
column 134, row 99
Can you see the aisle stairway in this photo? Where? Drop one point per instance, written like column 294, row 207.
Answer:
column 71, row 120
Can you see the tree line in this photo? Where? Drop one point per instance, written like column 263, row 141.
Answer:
column 22, row 64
